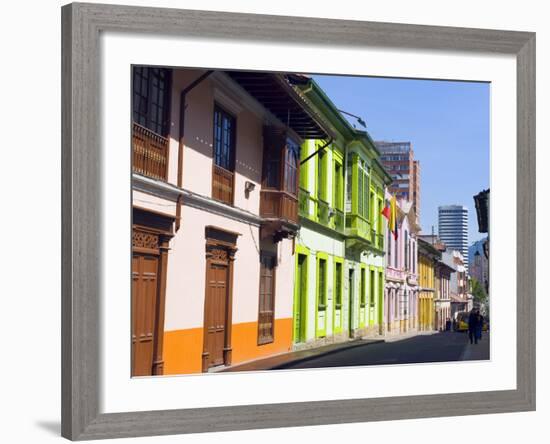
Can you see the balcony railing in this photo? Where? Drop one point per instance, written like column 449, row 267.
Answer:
column 222, row 184
column 279, row 205
column 380, row 241
column 338, row 219
column 322, row 212
column 358, row 226
column 303, row 202
column 150, row 153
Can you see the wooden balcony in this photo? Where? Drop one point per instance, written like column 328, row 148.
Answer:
column 276, row 204
column 150, row 153
column 222, row 184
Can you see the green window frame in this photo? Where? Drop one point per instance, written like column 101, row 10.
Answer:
column 363, row 288
column 372, row 287
column 362, row 189
column 321, row 173
column 372, row 209
column 338, row 186
column 349, row 184
column 381, row 285
column 378, row 212
column 321, row 283
column 338, row 286
column 303, row 178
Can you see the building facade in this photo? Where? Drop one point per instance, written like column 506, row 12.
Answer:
column 461, row 299
column 215, row 211
column 398, row 159
column 402, row 290
column 339, row 274
column 453, row 228
column 442, row 299
column 479, row 263
column 428, row 256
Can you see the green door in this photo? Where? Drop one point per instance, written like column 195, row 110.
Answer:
column 350, row 301
column 300, row 299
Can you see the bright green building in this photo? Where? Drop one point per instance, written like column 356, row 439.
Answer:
column 339, row 278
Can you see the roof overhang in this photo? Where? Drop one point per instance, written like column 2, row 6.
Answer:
column 482, row 209
column 276, row 94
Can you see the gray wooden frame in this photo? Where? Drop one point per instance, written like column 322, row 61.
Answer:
column 81, row 206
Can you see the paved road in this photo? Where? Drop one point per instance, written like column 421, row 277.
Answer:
column 439, row 347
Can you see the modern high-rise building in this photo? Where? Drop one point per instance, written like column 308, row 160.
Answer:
column 453, row 228
column 398, row 160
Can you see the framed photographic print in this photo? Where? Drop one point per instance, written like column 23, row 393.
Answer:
column 280, row 221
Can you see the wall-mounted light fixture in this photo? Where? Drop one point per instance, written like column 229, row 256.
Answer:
column 248, row 187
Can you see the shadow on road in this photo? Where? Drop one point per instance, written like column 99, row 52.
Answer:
column 440, row 347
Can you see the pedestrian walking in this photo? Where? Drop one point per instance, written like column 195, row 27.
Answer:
column 472, row 326
column 448, row 324
column 479, row 326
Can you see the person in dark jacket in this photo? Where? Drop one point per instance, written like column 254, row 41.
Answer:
column 479, row 326
column 472, row 326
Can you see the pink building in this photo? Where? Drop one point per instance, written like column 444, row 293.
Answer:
column 401, row 288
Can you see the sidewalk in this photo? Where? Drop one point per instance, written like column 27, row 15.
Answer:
column 280, row 361
column 479, row 351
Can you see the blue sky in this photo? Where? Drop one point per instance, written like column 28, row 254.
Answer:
column 447, row 122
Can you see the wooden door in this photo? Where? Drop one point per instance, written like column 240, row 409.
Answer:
column 144, row 306
column 300, row 298
column 216, row 312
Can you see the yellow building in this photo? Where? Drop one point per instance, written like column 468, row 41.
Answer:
column 427, row 257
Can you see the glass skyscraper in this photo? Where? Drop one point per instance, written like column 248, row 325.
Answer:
column 453, row 228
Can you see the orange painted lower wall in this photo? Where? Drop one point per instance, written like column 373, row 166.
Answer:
column 244, row 340
column 182, row 349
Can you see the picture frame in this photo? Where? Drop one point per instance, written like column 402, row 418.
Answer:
column 82, row 234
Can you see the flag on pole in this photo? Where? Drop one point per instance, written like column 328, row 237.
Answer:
column 393, row 217
column 386, row 210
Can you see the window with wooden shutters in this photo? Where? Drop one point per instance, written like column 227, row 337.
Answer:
column 224, row 139
column 224, row 156
column 151, row 96
column 266, row 316
column 150, row 115
column 291, row 167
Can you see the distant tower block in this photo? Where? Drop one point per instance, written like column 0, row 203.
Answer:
column 453, row 228
column 398, row 160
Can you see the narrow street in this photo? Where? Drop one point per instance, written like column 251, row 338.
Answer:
column 439, row 347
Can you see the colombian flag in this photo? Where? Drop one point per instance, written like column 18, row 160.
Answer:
column 390, row 213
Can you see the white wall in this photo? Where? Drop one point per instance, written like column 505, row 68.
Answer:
column 30, row 385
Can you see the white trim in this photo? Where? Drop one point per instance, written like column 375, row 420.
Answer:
column 171, row 192
column 231, row 104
